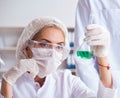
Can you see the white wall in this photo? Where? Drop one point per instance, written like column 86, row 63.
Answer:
column 21, row 12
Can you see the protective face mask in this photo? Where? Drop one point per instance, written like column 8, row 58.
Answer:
column 48, row 60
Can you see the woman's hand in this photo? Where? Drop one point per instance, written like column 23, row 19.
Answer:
column 99, row 39
column 23, row 66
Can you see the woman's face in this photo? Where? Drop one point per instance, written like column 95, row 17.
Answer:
column 51, row 35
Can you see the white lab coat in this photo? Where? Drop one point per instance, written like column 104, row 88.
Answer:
column 61, row 84
column 107, row 14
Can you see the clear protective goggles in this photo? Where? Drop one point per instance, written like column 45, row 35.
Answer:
column 46, row 45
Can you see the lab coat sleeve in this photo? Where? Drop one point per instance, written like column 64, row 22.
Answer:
column 80, row 90
column 107, row 92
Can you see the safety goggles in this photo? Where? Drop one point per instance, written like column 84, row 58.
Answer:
column 46, row 45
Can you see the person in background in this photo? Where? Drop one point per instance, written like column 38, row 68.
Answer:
column 107, row 14
column 41, row 49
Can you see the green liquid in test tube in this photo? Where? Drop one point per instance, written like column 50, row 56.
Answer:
column 83, row 53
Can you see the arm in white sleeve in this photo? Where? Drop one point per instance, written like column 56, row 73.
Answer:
column 80, row 90
column 108, row 92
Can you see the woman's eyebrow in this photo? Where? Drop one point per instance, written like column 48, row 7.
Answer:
column 61, row 43
column 45, row 40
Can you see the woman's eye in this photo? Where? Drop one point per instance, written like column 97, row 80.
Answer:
column 59, row 47
column 43, row 44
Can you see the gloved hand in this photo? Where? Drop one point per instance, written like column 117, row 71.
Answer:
column 23, row 66
column 99, row 39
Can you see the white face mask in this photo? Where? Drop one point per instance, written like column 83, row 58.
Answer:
column 48, row 60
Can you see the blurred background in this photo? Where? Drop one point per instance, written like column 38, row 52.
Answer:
column 21, row 12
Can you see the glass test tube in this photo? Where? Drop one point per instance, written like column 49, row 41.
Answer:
column 86, row 53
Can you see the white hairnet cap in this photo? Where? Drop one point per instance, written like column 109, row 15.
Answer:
column 33, row 28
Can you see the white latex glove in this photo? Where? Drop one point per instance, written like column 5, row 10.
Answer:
column 23, row 66
column 99, row 39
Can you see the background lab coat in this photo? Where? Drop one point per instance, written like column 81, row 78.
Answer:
column 107, row 14
column 61, row 84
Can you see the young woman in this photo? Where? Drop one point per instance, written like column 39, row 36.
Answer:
column 42, row 47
